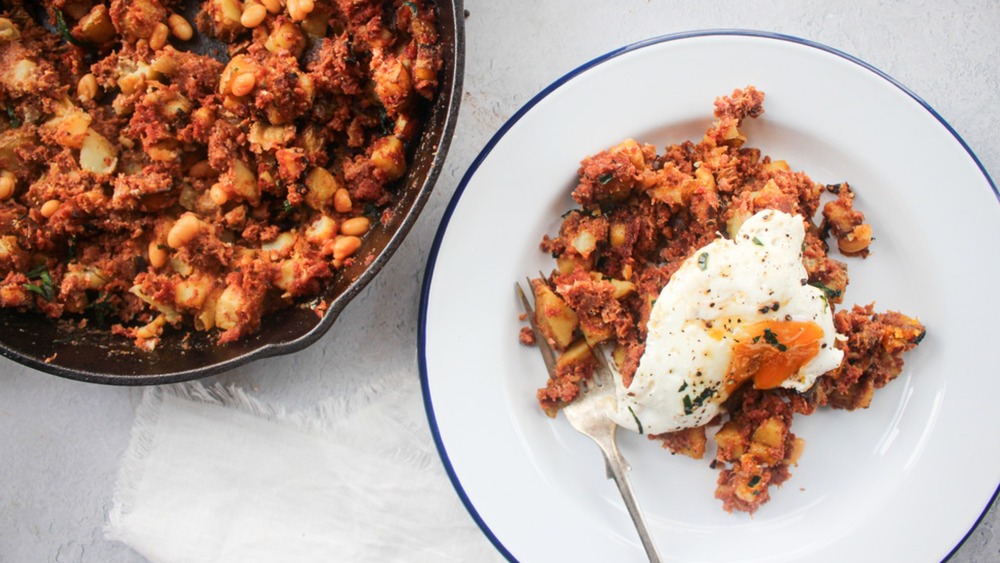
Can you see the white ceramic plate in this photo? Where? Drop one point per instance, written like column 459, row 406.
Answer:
column 904, row 480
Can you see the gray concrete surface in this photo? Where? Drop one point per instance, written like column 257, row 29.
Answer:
column 61, row 440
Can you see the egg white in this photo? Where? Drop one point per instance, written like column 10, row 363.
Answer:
column 723, row 286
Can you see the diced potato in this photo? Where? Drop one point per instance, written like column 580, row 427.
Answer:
column 630, row 148
column 132, row 74
column 321, row 230
column 21, row 79
column 793, row 453
column 69, row 129
column 322, row 185
column 622, row 288
column 192, row 292
column 137, row 18
column 168, row 310
column 771, row 432
column 316, row 22
column 9, row 249
column 578, row 353
column 735, row 222
column 585, row 243
column 287, row 36
column 181, row 267
column 205, row 319
column 553, row 316
column 689, row 441
column 775, row 166
column 389, row 157
column 729, row 441
column 9, row 30
column 767, row 442
column 244, row 182
column 704, row 177
column 97, row 154
column 227, row 309
column 95, row 27
column 732, row 136
column 88, row 277
column 568, row 263
column 270, row 137
column 291, row 163
column 10, row 140
column 282, row 242
column 618, row 234
column 225, row 16
column 595, row 333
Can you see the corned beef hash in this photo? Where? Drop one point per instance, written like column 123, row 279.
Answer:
column 704, row 272
column 148, row 187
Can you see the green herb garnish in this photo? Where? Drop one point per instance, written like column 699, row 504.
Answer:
column 45, row 286
column 703, row 260
column 691, row 404
column 771, row 338
column 637, row 423
column 386, row 123
column 830, row 293
column 757, row 241
column 605, row 178
column 373, row 213
column 12, row 117
column 753, row 481
column 64, row 29
column 101, row 308
column 411, row 6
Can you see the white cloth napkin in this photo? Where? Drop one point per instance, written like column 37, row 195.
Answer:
column 214, row 475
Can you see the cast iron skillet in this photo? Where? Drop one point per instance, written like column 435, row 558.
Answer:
column 91, row 354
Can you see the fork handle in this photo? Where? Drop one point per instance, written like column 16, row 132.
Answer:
column 617, row 469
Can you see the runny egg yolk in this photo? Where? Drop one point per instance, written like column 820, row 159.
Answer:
column 771, row 351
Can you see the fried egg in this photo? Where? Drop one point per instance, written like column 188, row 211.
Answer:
column 738, row 311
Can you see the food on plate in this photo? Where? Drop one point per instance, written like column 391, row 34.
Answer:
column 149, row 187
column 703, row 273
column 737, row 309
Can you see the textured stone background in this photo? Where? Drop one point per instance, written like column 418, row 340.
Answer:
column 61, row 440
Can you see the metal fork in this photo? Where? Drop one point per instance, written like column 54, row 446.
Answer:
column 587, row 414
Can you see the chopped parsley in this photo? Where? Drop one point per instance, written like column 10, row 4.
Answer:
column 45, row 286
column 830, row 294
column 386, row 122
column 64, row 29
column 12, row 117
column 703, row 260
column 691, row 404
column 102, row 309
column 753, row 481
column 757, row 241
column 411, row 6
column 373, row 213
column 605, row 178
column 637, row 423
column 771, row 338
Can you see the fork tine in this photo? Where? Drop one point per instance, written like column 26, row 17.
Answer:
column 604, row 372
column 548, row 355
